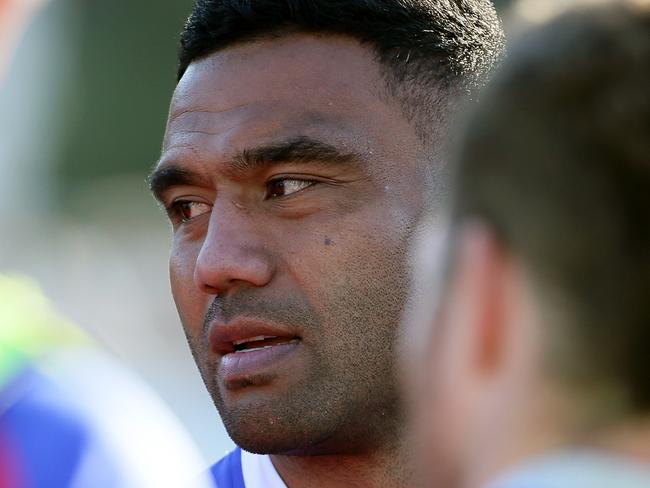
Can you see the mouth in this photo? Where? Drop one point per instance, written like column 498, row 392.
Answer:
column 250, row 350
column 246, row 335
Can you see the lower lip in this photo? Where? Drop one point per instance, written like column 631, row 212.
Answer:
column 239, row 365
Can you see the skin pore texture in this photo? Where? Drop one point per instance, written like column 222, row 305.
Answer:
column 294, row 185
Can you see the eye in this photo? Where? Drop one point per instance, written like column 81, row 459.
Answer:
column 283, row 187
column 188, row 210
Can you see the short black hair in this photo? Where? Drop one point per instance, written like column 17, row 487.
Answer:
column 423, row 45
column 556, row 161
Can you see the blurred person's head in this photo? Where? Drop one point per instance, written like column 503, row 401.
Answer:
column 534, row 329
column 304, row 142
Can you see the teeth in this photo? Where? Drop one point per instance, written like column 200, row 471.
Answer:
column 253, row 339
column 255, row 349
column 292, row 341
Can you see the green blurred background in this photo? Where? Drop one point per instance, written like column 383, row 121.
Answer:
column 82, row 113
column 126, row 63
column 126, row 67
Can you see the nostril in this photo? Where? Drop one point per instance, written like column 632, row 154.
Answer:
column 210, row 290
column 207, row 285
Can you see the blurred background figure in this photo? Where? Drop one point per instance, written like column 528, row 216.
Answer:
column 70, row 416
column 529, row 363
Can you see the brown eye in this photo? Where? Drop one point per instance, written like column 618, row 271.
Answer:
column 188, row 210
column 286, row 186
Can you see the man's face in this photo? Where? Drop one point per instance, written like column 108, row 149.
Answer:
column 293, row 185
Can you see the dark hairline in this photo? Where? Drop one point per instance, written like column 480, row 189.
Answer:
column 270, row 34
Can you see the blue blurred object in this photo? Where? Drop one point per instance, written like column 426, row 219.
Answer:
column 71, row 416
column 50, row 438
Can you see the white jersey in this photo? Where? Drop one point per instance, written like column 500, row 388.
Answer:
column 259, row 472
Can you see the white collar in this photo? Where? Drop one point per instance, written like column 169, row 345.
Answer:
column 259, row 472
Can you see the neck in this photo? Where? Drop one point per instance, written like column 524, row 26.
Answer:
column 630, row 439
column 627, row 438
column 380, row 468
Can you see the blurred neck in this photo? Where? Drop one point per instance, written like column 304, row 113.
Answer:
column 629, row 439
column 555, row 423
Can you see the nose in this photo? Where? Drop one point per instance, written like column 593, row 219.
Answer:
column 233, row 254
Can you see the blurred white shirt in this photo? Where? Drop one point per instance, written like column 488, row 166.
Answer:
column 578, row 469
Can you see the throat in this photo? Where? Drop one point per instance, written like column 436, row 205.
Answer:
column 370, row 470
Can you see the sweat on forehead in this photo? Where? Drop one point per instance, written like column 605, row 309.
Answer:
column 297, row 66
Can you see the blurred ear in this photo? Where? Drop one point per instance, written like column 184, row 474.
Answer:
column 478, row 303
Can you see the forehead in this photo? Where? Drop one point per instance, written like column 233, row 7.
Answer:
column 298, row 85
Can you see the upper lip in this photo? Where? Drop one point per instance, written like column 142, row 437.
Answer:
column 223, row 335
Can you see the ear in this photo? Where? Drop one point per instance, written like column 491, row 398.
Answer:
column 480, row 297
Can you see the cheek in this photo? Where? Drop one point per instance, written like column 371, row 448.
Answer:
column 190, row 302
column 359, row 282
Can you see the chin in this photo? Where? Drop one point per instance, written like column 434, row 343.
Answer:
column 260, row 438
column 263, row 430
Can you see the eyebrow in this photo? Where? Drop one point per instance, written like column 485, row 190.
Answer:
column 163, row 178
column 297, row 150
